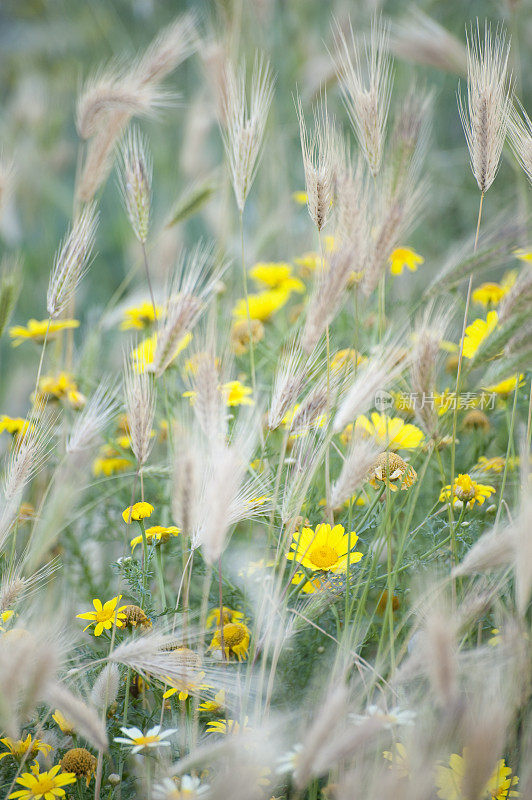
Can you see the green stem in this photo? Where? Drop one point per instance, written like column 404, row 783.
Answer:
column 510, row 444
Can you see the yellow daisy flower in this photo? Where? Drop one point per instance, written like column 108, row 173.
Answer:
column 16, row 426
column 137, row 512
column 390, row 432
column 140, row 316
column 237, row 394
column 229, row 615
column 489, row 294
column 450, row 780
column 104, row 616
column 65, row 726
column 109, row 464
column 324, row 548
column 61, row 387
column 36, row 330
column 466, row 490
column 347, row 357
column 240, row 334
column 157, row 534
column 43, row 784
column 227, row 726
column 523, row 255
column 506, row 387
column 20, row 748
column 214, row 706
column 301, row 198
column 186, row 686
column 308, row 263
column 276, row 275
column 392, row 470
column 5, row 616
column 236, row 640
column 403, row 257
column 144, row 355
column 263, row 305
column 479, row 330
column 398, row 757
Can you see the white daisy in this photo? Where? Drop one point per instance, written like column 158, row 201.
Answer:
column 288, row 762
column 388, row 719
column 139, row 741
column 190, row 788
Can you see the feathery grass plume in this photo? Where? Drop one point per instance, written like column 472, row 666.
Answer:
column 243, row 123
column 306, row 457
column 84, row 718
column 485, row 120
column 227, row 496
column 14, row 586
column 398, row 205
column 109, row 100
column 522, row 536
column 495, row 247
column 209, row 403
column 140, row 398
column 317, row 401
column 485, row 727
column 99, row 410
column 422, row 40
column 10, row 286
column 378, row 372
column 28, row 663
column 428, row 333
column 291, row 376
column 318, row 150
column 366, row 80
column 328, row 296
column 440, row 656
column 105, row 688
column 359, row 459
column 520, row 133
column 28, row 455
column 411, row 131
column 7, row 173
column 493, row 550
column 134, row 180
column 193, row 282
column 353, row 198
column 71, row 261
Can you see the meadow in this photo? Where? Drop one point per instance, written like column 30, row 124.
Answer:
column 265, row 400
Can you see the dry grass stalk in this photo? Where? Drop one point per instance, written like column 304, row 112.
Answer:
column 424, row 41
column 291, row 377
column 485, row 120
column 140, row 397
column 105, row 688
column 243, row 123
column 318, row 151
column 92, row 421
column 134, row 179
column 358, row 461
column 520, row 131
column 71, row 262
column 10, row 285
column 366, row 79
column 428, row 334
column 85, row 720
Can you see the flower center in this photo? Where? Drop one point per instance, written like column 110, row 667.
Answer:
column 464, row 488
column 323, row 556
column 43, row 785
column 233, row 634
column 146, row 739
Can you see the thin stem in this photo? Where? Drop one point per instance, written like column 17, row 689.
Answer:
column 510, row 441
column 41, row 359
column 328, row 509
column 220, row 600
column 146, row 267
column 246, row 300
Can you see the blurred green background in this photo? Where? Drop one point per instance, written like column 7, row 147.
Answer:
column 49, row 48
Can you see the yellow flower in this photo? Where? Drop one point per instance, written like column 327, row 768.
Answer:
column 392, row 470
column 109, row 464
column 489, row 294
column 14, row 425
column 276, row 275
column 64, row 725
column 494, row 464
column 399, row 760
column 5, row 616
column 28, row 747
column 505, row 387
column 104, row 616
column 326, row 548
column 37, row 330
column 523, row 255
column 262, row 305
column 137, row 512
column 346, row 358
column 392, row 432
column 479, row 330
column 140, row 316
column 226, row 726
column 229, row 615
column 144, row 355
column 301, row 198
column 214, row 706
column 240, row 334
column 308, row 263
column 186, row 686
column 404, row 257
column 236, row 640
column 157, row 534
column 43, row 784
column 79, row 761
column 466, row 490
column 450, row 780
column 318, row 583
column 237, row 394
column 61, row 387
